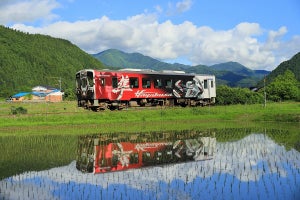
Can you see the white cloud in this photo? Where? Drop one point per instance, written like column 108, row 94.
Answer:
column 167, row 41
column 178, row 8
column 183, row 6
column 16, row 11
column 158, row 9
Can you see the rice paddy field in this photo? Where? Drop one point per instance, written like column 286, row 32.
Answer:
column 256, row 155
column 66, row 118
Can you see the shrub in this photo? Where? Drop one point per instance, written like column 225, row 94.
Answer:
column 228, row 96
column 18, row 110
column 284, row 87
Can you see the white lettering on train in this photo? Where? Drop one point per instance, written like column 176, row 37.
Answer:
column 142, row 147
column 143, row 93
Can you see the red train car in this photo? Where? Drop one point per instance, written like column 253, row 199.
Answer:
column 101, row 89
column 116, row 156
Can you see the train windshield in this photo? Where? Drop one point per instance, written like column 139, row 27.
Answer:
column 90, row 79
column 84, row 79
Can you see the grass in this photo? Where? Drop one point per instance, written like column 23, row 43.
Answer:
column 66, row 118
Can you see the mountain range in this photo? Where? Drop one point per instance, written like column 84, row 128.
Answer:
column 230, row 73
column 28, row 60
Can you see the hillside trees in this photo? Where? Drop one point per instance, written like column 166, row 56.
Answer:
column 28, row 60
column 293, row 65
column 284, row 87
column 229, row 73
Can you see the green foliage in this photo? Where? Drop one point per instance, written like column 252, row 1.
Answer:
column 70, row 94
column 18, row 110
column 293, row 65
column 118, row 59
column 28, row 60
column 284, row 87
column 228, row 96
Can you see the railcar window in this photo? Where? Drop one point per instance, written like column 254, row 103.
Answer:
column 114, row 82
column 134, row 82
column 205, row 84
column 158, row 157
column 102, row 81
column 146, row 83
column 134, row 158
column 90, row 79
column 168, row 83
column 212, row 84
column 83, row 82
column 115, row 160
column 157, row 83
column 146, row 157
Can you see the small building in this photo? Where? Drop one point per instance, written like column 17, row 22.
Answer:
column 39, row 94
column 19, row 96
column 55, row 96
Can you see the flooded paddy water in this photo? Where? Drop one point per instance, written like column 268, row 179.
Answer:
column 243, row 165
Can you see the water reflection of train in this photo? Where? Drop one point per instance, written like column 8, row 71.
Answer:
column 99, row 157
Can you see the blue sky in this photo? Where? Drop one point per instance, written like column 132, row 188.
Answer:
column 258, row 34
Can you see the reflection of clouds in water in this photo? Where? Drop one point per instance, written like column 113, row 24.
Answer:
column 32, row 187
column 254, row 164
column 253, row 156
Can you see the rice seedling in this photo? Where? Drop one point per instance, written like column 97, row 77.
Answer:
column 246, row 166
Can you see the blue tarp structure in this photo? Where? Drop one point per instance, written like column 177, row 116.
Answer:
column 21, row 94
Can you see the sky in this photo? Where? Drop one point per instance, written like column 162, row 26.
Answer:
column 257, row 34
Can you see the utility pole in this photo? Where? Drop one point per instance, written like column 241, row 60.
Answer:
column 59, row 80
column 265, row 93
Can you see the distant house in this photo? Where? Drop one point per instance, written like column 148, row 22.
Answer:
column 39, row 94
column 20, row 96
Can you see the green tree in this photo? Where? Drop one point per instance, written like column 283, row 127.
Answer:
column 70, row 94
column 227, row 95
column 27, row 60
column 284, row 87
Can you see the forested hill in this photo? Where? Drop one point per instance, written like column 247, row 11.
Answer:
column 230, row 73
column 118, row 59
column 293, row 65
column 27, row 60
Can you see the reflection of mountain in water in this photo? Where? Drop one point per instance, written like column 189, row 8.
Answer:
column 252, row 168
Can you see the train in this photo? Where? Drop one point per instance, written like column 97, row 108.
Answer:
column 97, row 156
column 116, row 89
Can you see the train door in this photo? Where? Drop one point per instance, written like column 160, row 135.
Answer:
column 209, row 87
column 85, row 87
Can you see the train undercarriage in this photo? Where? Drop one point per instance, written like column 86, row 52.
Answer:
column 98, row 105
